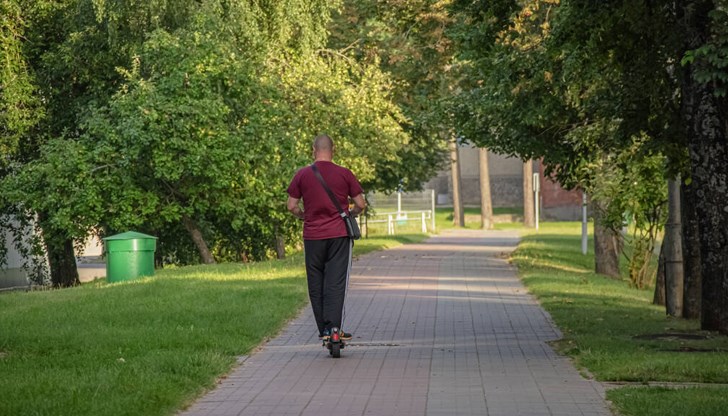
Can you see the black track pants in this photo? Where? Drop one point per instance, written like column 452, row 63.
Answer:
column 327, row 269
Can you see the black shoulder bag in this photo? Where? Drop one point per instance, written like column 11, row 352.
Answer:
column 352, row 228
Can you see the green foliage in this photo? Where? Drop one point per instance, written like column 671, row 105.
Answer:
column 711, row 59
column 408, row 40
column 19, row 106
column 632, row 188
column 588, row 89
column 560, row 82
column 173, row 112
column 351, row 102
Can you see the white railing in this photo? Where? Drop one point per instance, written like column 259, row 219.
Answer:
column 401, row 210
column 392, row 219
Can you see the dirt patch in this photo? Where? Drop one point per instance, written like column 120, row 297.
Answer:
column 692, row 349
column 671, row 336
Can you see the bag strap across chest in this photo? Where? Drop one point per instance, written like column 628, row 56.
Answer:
column 327, row 189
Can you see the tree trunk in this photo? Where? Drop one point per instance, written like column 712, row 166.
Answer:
column 529, row 219
column 705, row 118
column 673, row 253
column 62, row 262
column 606, row 247
column 659, row 297
column 280, row 244
column 691, row 254
column 280, row 247
column 61, row 256
column 486, row 204
column 458, row 215
column 708, row 154
column 196, row 235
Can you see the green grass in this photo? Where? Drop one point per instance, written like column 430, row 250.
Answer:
column 604, row 322
column 444, row 217
column 145, row 347
column 443, row 221
column 656, row 401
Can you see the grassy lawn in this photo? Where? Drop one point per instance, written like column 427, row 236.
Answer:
column 615, row 333
column 145, row 347
column 151, row 346
column 443, row 221
column 443, row 218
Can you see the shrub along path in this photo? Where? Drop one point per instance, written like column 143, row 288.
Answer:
column 441, row 328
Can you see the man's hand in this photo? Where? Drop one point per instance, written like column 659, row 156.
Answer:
column 294, row 208
column 359, row 204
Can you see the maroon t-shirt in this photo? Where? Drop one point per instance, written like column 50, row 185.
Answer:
column 321, row 219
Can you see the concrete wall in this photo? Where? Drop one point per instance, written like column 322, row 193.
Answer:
column 12, row 275
column 90, row 263
column 506, row 186
column 505, row 191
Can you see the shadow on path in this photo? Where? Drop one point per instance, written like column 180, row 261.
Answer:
column 440, row 328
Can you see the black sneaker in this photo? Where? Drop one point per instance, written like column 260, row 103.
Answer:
column 345, row 336
column 325, row 335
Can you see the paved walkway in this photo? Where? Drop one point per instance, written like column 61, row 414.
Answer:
column 440, row 328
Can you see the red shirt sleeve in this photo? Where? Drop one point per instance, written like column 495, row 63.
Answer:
column 354, row 185
column 294, row 189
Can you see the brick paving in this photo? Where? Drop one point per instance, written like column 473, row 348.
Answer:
column 440, row 328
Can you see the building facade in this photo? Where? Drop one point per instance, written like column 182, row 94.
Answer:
column 506, row 186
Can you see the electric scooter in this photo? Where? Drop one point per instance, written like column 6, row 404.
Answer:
column 334, row 343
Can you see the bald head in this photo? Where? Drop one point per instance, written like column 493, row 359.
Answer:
column 323, row 142
column 323, row 148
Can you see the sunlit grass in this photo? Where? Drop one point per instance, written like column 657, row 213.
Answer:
column 147, row 346
column 656, row 401
column 607, row 327
column 444, row 218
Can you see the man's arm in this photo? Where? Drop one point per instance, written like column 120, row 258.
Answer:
column 359, row 204
column 294, row 208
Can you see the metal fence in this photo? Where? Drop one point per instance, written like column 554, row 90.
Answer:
column 400, row 212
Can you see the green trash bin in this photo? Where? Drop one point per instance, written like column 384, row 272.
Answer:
column 129, row 255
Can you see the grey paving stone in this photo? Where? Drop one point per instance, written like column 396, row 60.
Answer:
column 441, row 328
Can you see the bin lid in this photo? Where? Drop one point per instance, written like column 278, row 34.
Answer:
column 129, row 235
column 130, row 241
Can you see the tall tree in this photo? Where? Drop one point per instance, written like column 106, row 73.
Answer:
column 409, row 41
column 554, row 83
column 659, row 297
column 674, row 272
column 691, row 253
column 705, row 113
column 174, row 117
column 458, row 213
column 607, row 244
column 586, row 79
column 486, row 203
column 23, row 116
column 529, row 219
